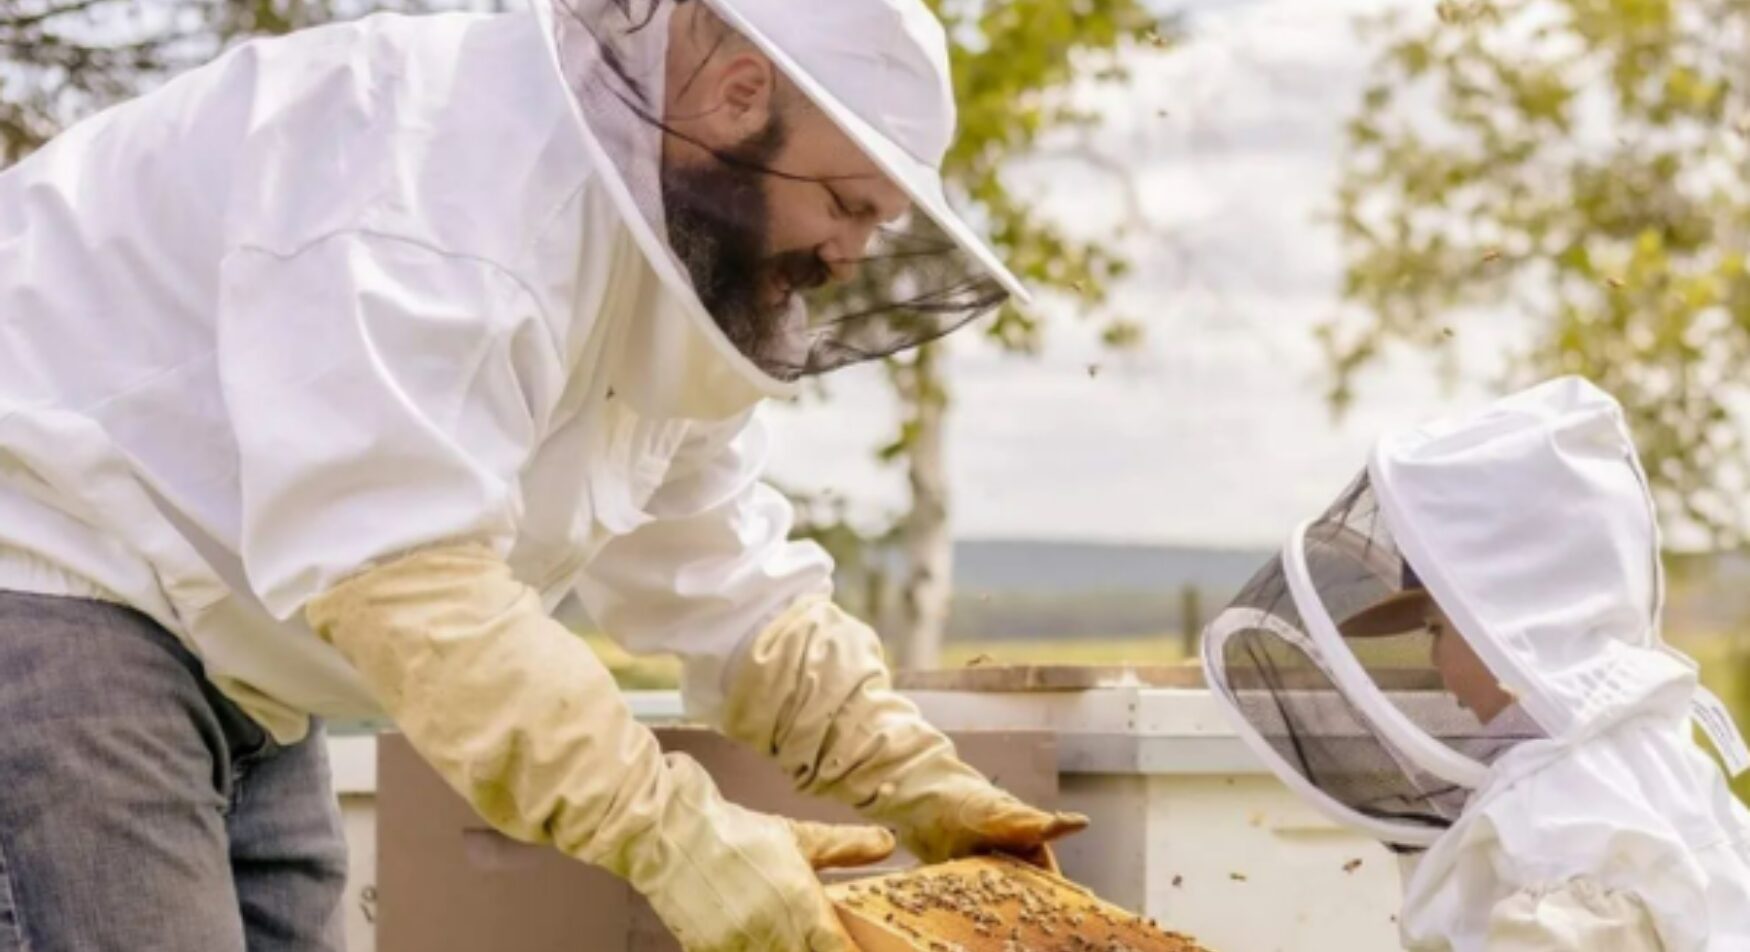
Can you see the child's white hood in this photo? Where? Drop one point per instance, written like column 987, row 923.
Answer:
column 1532, row 525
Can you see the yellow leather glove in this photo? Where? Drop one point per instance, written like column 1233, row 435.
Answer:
column 813, row 691
column 520, row 717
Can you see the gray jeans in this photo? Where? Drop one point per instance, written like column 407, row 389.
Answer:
column 139, row 809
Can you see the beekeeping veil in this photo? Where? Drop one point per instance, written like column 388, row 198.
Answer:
column 878, row 71
column 1530, row 526
column 1328, row 661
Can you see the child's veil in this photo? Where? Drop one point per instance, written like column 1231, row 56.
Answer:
column 1531, row 527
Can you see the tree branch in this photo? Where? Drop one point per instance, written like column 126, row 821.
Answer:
column 26, row 21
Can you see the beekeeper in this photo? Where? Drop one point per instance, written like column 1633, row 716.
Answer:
column 1462, row 657
column 330, row 368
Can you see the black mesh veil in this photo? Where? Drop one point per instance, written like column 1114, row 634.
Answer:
column 1328, row 660
column 803, row 270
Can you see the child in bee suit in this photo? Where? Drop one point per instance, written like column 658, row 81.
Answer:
column 1463, row 658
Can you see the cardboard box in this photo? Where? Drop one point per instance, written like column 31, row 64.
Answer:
column 446, row 882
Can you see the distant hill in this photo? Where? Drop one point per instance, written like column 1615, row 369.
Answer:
column 996, row 567
column 1034, row 589
column 1045, row 590
column 1031, row 589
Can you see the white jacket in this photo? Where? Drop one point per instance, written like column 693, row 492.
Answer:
column 345, row 294
column 1625, row 837
column 1532, row 526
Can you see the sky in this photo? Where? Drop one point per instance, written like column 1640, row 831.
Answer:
column 1216, row 432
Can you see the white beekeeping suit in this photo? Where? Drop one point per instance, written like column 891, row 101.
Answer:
column 349, row 355
column 451, row 229
column 1463, row 657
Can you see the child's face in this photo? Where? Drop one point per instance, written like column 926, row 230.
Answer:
column 1463, row 673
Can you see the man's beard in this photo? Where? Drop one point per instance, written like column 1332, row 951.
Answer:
column 718, row 225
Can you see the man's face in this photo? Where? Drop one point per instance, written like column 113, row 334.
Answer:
column 765, row 198
column 1463, row 673
column 758, row 225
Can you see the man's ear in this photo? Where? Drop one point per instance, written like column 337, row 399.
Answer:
column 747, row 93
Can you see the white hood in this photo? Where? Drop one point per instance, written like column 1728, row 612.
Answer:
column 879, row 71
column 1532, row 525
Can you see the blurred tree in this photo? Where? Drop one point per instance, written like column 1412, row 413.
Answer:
column 1581, row 163
column 67, row 58
column 863, row 560
column 1190, row 619
column 1017, row 65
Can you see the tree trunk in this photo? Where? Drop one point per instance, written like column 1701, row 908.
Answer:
column 1190, row 620
column 928, row 545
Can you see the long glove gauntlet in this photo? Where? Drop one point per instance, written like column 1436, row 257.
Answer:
column 814, row 692
column 519, row 716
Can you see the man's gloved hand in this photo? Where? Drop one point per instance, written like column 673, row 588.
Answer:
column 814, row 692
column 726, row 879
column 833, row 846
column 519, row 716
column 952, row 815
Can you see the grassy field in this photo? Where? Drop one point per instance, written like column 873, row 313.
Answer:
column 1724, row 671
column 661, row 673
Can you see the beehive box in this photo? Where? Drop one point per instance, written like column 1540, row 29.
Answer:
column 991, row 904
column 448, row 883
